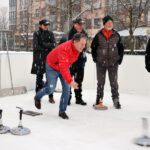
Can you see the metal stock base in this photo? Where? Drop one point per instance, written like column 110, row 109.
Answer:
column 20, row 131
column 143, row 141
column 4, row 129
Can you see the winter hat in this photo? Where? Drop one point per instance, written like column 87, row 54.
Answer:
column 106, row 19
column 44, row 22
column 78, row 20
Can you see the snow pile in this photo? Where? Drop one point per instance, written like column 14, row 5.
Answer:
column 141, row 31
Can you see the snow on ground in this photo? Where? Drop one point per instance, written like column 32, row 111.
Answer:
column 87, row 129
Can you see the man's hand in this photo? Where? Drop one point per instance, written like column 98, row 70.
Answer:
column 74, row 84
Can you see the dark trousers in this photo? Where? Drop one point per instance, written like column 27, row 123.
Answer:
column 113, row 79
column 40, row 83
column 78, row 74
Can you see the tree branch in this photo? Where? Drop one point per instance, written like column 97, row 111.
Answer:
column 123, row 4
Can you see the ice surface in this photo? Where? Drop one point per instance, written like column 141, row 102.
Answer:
column 87, row 129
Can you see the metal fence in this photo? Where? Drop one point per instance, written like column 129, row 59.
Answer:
column 60, row 13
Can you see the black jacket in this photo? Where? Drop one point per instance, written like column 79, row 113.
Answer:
column 147, row 57
column 80, row 63
column 110, row 50
column 43, row 43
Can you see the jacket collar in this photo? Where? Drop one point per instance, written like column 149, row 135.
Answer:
column 113, row 32
column 73, row 48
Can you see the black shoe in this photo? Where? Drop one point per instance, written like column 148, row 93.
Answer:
column 81, row 102
column 69, row 103
column 51, row 100
column 97, row 102
column 117, row 104
column 37, row 103
column 63, row 115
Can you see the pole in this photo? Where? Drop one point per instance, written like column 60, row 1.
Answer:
column 1, row 41
column 145, row 127
column 14, row 41
column 9, row 64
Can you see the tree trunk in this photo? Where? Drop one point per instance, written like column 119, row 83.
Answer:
column 69, row 13
column 58, row 25
column 131, row 37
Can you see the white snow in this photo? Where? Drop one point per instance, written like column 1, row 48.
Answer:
column 87, row 129
column 141, row 31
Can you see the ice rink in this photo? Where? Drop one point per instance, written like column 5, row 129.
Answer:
column 87, row 129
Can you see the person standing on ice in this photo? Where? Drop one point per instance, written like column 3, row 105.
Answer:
column 58, row 63
column 77, row 68
column 43, row 43
column 107, row 53
column 147, row 57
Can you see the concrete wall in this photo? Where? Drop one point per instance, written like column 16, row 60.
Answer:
column 21, row 63
column 133, row 78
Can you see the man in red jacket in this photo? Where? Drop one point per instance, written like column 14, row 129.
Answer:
column 58, row 63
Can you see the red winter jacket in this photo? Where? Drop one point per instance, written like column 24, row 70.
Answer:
column 62, row 57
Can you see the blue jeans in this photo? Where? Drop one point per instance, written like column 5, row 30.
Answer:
column 52, row 76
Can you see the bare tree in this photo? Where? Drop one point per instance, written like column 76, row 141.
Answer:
column 25, row 24
column 130, row 14
column 66, row 11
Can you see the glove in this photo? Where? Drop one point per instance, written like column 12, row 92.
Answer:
column 147, row 68
column 94, row 59
column 120, row 61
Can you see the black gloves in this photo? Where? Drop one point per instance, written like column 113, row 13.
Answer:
column 120, row 61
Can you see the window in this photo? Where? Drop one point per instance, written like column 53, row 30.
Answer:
column 12, row 3
column 43, row 11
column 97, row 23
column 37, row 12
column 52, row 2
column 21, row 3
column 97, row 4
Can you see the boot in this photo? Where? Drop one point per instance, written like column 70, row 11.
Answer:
column 51, row 100
column 80, row 101
column 116, row 103
column 37, row 103
column 63, row 115
column 97, row 101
